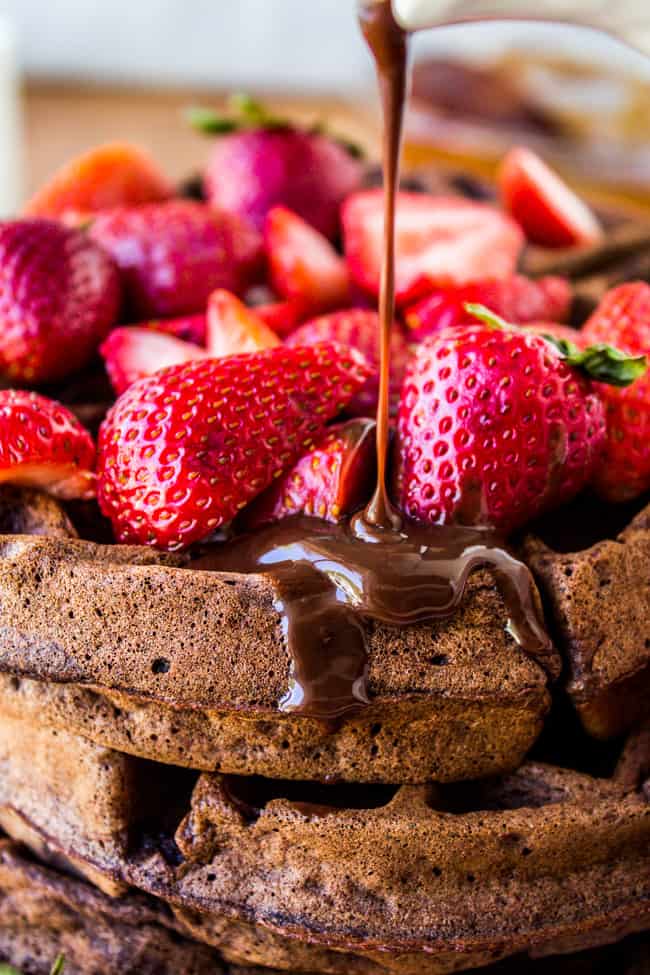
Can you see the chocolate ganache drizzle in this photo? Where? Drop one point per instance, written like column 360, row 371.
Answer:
column 329, row 579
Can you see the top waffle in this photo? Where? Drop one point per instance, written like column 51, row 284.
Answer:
column 112, row 630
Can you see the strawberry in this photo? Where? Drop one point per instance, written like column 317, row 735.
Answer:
column 133, row 352
column 59, row 296
column 259, row 162
column 517, row 299
column 557, row 331
column 108, row 176
column 172, row 255
column 623, row 318
column 232, row 328
column 440, row 242
column 282, row 316
column 181, row 452
column 332, row 480
column 303, row 265
column 359, row 329
column 189, row 328
column 549, row 212
column 43, row 445
column 497, row 425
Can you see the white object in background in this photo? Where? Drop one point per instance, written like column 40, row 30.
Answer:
column 10, row 168
column 629, row 19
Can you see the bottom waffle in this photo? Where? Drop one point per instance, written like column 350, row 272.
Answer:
column 45, row 912
column 344, row 879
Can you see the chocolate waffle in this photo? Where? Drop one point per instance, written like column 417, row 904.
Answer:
column 433, row 878
column 178, row 819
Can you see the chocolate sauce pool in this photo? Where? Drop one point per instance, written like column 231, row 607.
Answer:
column 329, row 579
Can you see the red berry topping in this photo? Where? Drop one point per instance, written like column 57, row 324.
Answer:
column 183, row 451
column 259, row 162
column 623, row 319
column 43, row 445
column 303, row 265
column 232, row 328
column 494, row 427
column 517, row 299
column 172, row 255
column 549, row 212
column 108, row 176
column 131, row 353
column 440, row 241
column 189, row 328
column 359, row 329
column 331, row 481
column 59, row 296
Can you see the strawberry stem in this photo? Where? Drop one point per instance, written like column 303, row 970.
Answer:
column 489, row 318
column 602, row 362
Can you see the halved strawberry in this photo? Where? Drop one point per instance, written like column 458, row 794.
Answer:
column 183, row 451
column 549, row 212
column 356, row 328
column 331, row 481
column 440, row 241
column 283, row 316
column 43, row 445
column 303, row 265
column 517, row 299
column 232, row 328
column 117, row 174
column 189, row 328
column 133, row 352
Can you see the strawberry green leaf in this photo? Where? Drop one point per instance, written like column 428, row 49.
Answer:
column 244, row 113
column 8, row 970
column 602, row 362
column 58, row 966
column 209, row 122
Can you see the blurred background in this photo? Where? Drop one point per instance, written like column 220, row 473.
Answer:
column 73, row 73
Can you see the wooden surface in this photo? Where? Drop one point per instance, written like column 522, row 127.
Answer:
column 62, row 120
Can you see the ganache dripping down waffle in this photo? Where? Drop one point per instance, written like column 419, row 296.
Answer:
column 313, row 658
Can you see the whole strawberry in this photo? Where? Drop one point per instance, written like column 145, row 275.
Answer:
column 259, row 161
column 359, row 329
column 116, row 174
column 59, row 296
column 44, row 446
column 172, row 255
column 182, row 451
column 330, row 481
column 623, row 319
column 495, row 426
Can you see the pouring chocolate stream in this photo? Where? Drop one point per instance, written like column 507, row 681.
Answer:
column 330, row 578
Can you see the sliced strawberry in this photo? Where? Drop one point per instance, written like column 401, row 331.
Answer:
column 232, row 328
column 183, row 451
column 189, row 328
column 133, row 352
column 331, row 481
column 440, row 241
column 549, row 212
column 43, row 445
column 303, row 264
column 283, row 316
column 517, row 299
column 623, row 319
column 358, row 329
column 108, row 176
